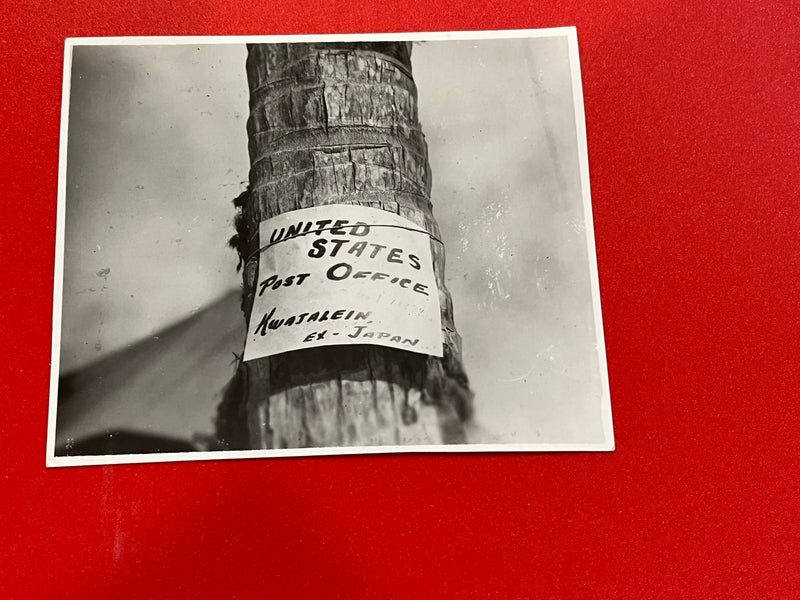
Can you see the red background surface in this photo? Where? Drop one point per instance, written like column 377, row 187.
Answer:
column 693, row 118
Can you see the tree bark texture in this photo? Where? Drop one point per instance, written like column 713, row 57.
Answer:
column 338, row 124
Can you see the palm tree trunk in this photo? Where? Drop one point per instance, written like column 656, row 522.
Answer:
column 337, row 124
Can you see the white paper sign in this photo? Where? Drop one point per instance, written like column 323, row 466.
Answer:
column 342, row 274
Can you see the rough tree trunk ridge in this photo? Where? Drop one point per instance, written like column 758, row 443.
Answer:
column 337, row 123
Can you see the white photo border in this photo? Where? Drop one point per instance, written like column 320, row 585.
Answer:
column 577, row 92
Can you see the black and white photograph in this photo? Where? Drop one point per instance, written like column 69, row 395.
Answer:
column 312, row 245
